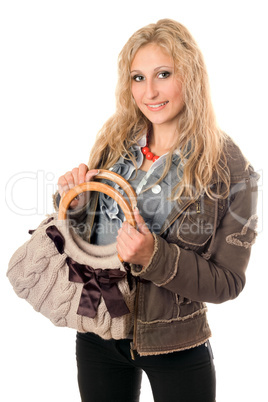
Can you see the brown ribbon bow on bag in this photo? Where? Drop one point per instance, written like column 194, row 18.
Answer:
column 97, row 283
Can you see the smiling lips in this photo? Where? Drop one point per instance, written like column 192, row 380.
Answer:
column 157, row 106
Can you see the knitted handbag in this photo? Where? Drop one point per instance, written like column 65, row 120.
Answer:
column 73, row 283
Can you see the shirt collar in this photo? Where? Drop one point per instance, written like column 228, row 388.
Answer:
column 142, row 143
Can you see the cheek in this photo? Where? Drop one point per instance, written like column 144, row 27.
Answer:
column 136, row 93
column 178, row 97
column 175, row 89
column 179, row 91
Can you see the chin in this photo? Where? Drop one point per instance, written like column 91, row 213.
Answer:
column 159, row 122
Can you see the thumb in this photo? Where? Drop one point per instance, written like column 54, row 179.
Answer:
column 141, row 225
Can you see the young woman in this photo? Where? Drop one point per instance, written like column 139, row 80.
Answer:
column 196, row 221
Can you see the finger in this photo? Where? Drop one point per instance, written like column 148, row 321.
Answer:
column 75, row 179
column 122, row 241
column 141, row 225
column 130, row 230
column 125, row 245
column 91, row 174
column 82, row 171
column 63, row 185
column 122, row 238
column 121, row 252
column 69, row 179
column 60, row 189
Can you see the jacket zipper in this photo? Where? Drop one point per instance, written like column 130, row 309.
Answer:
column 133, row 345
column 198, row 210
column 176, row 216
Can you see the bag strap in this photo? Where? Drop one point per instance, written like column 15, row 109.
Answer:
column 127, row 208
column 68, row 197
column 123, row 183
column 105, row 188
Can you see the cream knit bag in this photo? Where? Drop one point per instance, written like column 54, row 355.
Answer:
column 73, row 283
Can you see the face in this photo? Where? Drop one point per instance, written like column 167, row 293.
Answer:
column 157, row 92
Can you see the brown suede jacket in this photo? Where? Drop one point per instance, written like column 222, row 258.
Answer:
column 200, row 256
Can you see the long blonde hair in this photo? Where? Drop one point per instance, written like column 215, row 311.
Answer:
column 200, row 142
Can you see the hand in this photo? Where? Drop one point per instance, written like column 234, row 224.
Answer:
column 78, row 175
column 135, row 246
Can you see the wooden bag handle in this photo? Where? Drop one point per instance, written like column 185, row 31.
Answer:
column 68, row 197
column 116, row 178
column 96, row 186
column 106, row 189
column 127, row 208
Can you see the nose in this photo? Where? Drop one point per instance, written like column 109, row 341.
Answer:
column 151, row 91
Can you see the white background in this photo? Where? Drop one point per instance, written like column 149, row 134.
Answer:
column 58, row 75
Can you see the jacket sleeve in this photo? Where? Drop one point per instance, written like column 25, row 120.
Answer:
column 221, row 276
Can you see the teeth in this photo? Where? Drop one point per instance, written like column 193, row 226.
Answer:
column 160, row 104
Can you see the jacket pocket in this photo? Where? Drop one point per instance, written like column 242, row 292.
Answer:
column 191, row 309
column 160, row 305
column 157, row 304
column 196, row 226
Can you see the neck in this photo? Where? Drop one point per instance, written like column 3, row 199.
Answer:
column 161, row 140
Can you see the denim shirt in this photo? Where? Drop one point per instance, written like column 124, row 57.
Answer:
column 153, row 199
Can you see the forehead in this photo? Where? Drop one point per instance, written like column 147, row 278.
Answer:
column 151, row 55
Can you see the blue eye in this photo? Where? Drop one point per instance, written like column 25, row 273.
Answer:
column 138, row 78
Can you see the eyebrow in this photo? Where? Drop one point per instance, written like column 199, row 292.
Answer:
column 157, row 68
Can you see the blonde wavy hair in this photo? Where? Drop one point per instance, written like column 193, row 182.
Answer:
column 200, row 142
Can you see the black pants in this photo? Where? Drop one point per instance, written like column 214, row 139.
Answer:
column 106, row 372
